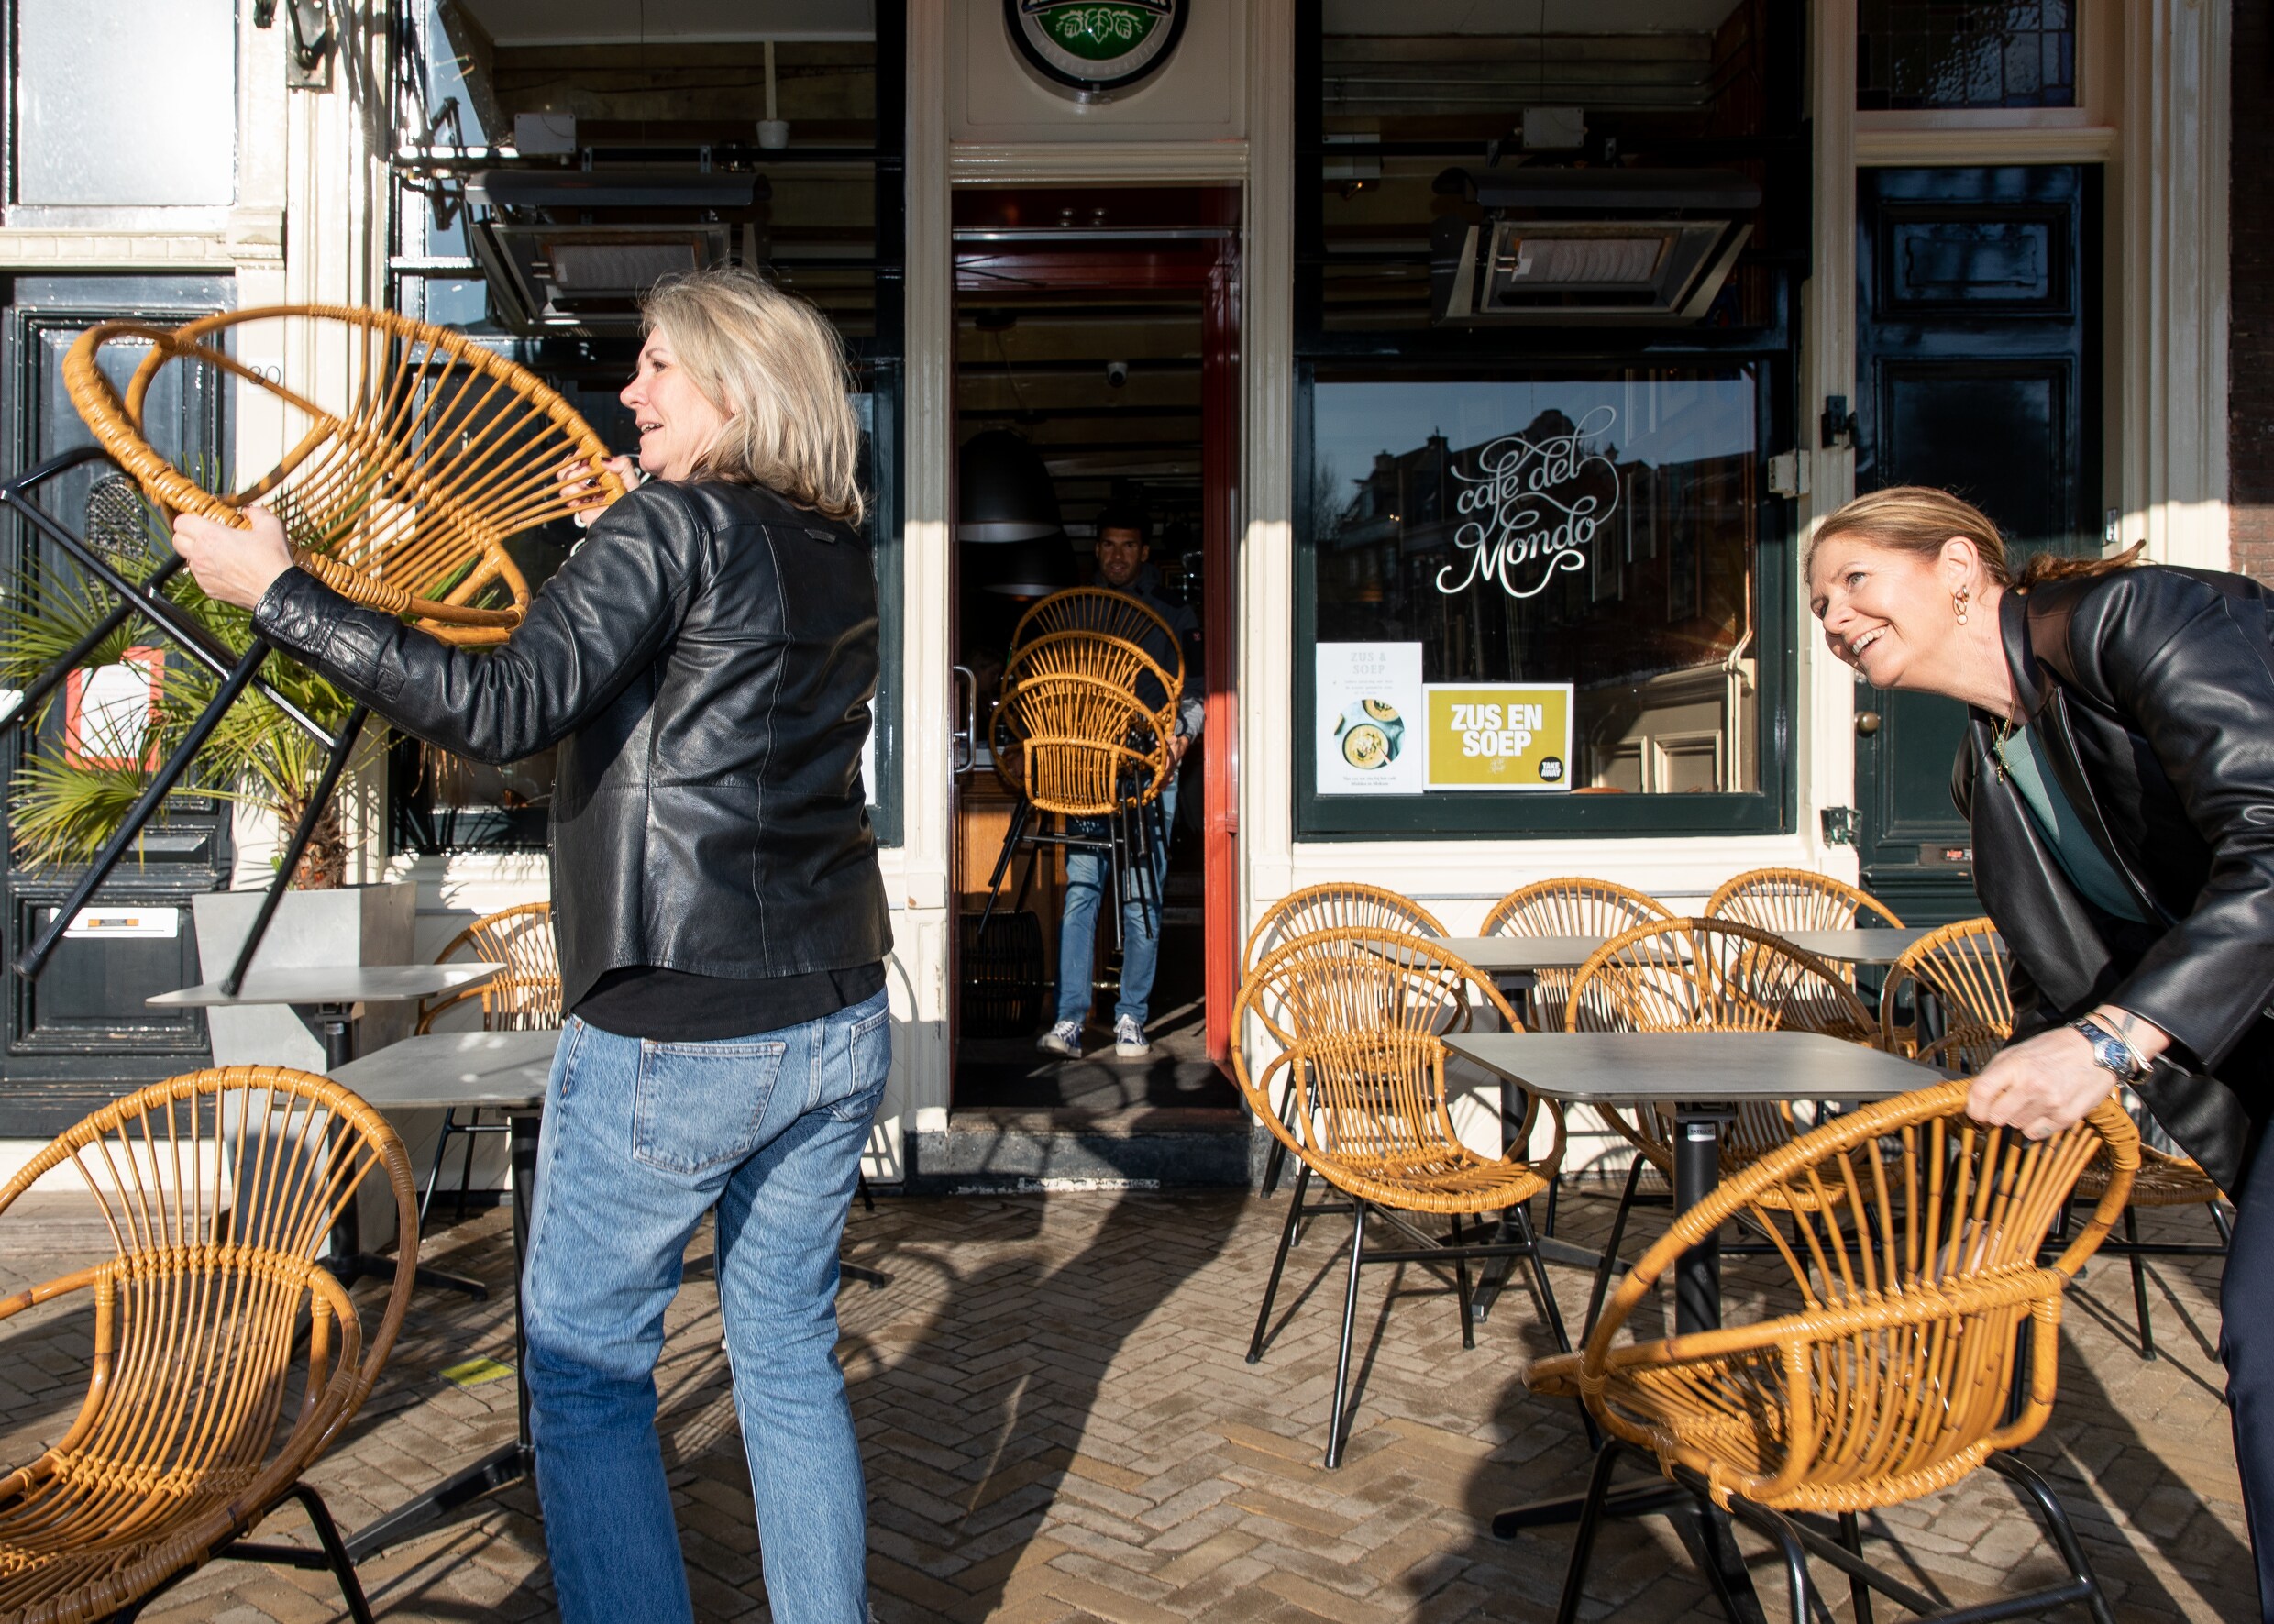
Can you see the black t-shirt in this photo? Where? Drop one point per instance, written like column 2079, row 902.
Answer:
column 673, row 1007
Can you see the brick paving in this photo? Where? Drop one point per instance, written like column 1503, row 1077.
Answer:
column 1059, row 1426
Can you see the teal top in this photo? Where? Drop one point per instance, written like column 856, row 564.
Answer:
column 2088, row 867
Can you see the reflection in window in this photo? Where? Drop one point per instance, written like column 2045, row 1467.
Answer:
column 1599, row 530
column 125, row 104
column 444, row 803
column 1406, row 92
column 1966, row 54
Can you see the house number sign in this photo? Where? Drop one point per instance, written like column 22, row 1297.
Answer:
column 1090, row 49
column 1531, row 508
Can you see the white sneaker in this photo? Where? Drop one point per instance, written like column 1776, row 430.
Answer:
column 1129, row 1040
column 1065, row 1038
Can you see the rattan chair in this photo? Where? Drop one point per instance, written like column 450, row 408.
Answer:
column 1571, row 907
column 523, row 997
column 1704, row 974
column 1784, row 900
column 1335, row 906
column 1920, row 1341
column 1105, row 612
column 201, row 1412
column 1960, row 967
column 400, row 489
column 1087, row 748
column 1362, row 1013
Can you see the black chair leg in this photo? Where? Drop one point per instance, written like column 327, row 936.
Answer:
column 334, row 1552
column 434, row 1172
column 1337, row 1427
column 2139, row 1285
column 1279, row 1262
column 1610, row 1250
column 465, row 1168
column 2054, row 1517
column 1582, row 1536
column 2219, row 1222
column 1461, row 1290
column 868, row 1199
column 1003, row 858
column 1521, row 1221
column 1858, row 1593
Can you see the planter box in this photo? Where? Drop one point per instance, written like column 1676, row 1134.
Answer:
column 368, row 925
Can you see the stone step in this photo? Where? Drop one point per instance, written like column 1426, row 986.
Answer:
column 1147, row 1147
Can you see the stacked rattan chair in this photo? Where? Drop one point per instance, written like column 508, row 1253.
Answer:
column 1081, row 734
column 523, row 997
column 227, row 1358
column 1357, row 1017
column 1918, row 1340
column 401, row 489
column 1960, row 971
column 1785, row 899
column 1339, row 905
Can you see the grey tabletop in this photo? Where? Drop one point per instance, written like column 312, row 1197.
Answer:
column 504, row 1070
column 1857, row 946
column 1629, row 1067
column 333, row 983
column 1504, row 956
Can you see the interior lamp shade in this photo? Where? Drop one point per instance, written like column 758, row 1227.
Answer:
column 1032, row 568
column 1003, row 492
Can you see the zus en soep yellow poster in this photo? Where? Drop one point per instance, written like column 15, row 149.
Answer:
column 1499, row 737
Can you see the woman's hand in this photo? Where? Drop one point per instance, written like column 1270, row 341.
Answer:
column 234, row 566
column 580, row 485
column 2051, row 1082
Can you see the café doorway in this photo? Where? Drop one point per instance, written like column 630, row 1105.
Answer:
column 1096, row 341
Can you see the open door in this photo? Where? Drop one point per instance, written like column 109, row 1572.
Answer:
column 1097, row 332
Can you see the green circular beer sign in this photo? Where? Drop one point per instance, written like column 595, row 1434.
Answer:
column 1094, row 48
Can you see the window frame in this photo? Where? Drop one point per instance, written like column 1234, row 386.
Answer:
column 1773, row 349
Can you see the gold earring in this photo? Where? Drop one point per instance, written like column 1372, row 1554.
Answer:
column 1958, row 602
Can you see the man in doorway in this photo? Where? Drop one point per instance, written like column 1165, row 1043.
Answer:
column 1123, row 555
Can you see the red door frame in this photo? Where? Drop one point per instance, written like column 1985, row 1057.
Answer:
column 1211, row 268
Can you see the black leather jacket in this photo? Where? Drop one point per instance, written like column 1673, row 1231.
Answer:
column 708, row 655
column 2152, row 690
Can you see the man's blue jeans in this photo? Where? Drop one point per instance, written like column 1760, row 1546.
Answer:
column 640, row 1139
column 1141, row 919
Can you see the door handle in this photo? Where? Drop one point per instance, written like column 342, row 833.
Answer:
column 1867, row 723
column 964, row 742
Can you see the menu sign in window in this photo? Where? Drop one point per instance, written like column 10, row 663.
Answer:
column 1369, row 709
column 1499, row 737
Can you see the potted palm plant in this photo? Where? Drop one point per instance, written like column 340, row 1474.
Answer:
column 125, row 707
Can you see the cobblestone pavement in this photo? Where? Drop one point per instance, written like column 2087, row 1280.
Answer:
column 1059, row 1425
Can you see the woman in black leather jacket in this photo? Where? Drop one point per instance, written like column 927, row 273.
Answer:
column 2118, row 772
column 706, row 658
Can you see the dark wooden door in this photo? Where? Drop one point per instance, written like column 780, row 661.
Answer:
column 1978, row 367
column 83, row 1035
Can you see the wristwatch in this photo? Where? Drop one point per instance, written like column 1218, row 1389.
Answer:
column 2110, row 1052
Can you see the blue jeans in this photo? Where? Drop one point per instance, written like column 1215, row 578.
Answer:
column 640, row 1139
column 1141, row 919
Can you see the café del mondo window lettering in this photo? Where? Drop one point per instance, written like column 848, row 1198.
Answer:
column 1545, row 583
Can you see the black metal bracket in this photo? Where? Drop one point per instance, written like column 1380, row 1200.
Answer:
column 147, row 600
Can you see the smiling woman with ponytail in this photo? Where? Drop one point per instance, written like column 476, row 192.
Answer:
column 2118, row 773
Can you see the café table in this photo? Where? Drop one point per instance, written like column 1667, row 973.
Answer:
column 1702, row 1078
column 326, row 997
column 505, row 1071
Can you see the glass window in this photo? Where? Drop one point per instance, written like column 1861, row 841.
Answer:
column 1966, row 54
column 1408, row 93
column 1596, row 527
column 128, row 103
